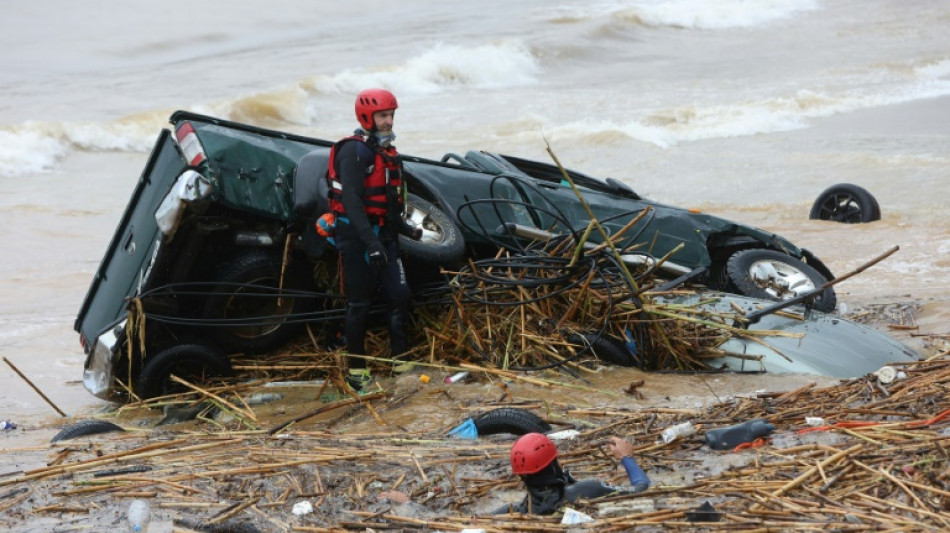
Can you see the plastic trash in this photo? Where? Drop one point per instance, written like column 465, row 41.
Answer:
column 455, row 378
column 7, row 425
column 729, row 437
column 814, row 421
column 302, row 508
column 465, row 430
column 575, row 517
column 139, row 516
column 679, row 430
column 566, row 434
column 886, row 374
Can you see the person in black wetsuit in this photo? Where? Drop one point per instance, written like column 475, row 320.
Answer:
column 367, row 195
column 534, row 458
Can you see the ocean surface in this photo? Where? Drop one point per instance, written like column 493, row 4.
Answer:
column 744, row 108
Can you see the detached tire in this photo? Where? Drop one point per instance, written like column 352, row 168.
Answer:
column 846, row 203
column 510, row 420
column 607, row 348
column 248, row 295
column 441, row 244
column 773, row 275
column 191, row 362
column 85, row 427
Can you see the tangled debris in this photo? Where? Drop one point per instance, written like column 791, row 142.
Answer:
column 879, row 461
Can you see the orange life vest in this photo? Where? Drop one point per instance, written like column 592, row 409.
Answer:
column 387, row 172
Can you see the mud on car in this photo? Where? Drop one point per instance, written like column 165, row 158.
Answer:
column 216, row 252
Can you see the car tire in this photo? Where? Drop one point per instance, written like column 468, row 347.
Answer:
column 846, row 203
column 267, row 326
column 187, row 361
column 773, row 275
column 441, row 245
column 86, row 427
column 510, row 420
column 607, row 348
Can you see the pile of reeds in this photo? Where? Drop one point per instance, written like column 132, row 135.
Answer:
column 879, row 461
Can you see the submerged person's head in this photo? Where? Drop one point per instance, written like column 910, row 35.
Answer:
column 534, row 458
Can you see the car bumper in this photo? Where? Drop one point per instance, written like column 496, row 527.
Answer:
column 98, row 377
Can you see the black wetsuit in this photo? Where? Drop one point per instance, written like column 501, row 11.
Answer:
column 355, row 231
column 551, row 489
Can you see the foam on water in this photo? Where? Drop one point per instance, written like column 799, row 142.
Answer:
column 36, row 146
column 506, row 63
column 669, row 127
column 693, row 14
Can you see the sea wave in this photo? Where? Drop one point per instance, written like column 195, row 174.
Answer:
column 507, row 63
column 33, row 147
column 691, row 14
column 672, row 126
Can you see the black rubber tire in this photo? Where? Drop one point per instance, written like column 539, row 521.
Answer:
column 259, row 268
column 193, row 362
column 607, row 348
column 510, row 420
column 738, row 277
column 442, row 243
column 225, row 527
column 847, row 203
column 85, row 427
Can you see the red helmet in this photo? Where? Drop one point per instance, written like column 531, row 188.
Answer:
column 531, row 453
column 371, row 101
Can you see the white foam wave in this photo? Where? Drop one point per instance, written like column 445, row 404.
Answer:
column 37, row 146
column 503, row 64
column 695, row 14
column 669, row 127
column 24, row 150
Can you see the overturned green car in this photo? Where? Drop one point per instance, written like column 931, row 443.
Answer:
column 216, row 252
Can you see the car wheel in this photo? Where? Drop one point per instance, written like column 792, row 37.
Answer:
column 191, row 362
column 246, row 294
column 774, row 275
column 607, row 348
column 510, row 420
column 441, row 244
column 845, row 203
column 86, row 427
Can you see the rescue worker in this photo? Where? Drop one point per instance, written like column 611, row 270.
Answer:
column 534, row 458
column 367, row 195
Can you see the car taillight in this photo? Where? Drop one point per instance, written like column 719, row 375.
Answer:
column 190, row 145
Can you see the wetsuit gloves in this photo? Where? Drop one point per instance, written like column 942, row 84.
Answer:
column 376, row 255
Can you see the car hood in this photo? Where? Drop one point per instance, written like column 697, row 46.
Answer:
column 814, row 343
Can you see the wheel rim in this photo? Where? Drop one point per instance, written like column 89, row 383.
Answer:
column 780, row 280
column 841, row 207
column 432, row 232
column 257, row 304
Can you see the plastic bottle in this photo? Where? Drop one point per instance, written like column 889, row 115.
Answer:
column 139, row 516
column 455, row 378
column 732, row 436
column 679, row 430
column 6, row 424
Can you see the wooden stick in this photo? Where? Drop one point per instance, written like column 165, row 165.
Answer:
column 325, row 408
column 38, row 391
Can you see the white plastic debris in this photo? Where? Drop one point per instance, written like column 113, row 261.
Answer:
column 814, row 421
column 679, row 430
column 886, row 374
column 575, row 517
column 567, row 434
column 302, row 508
